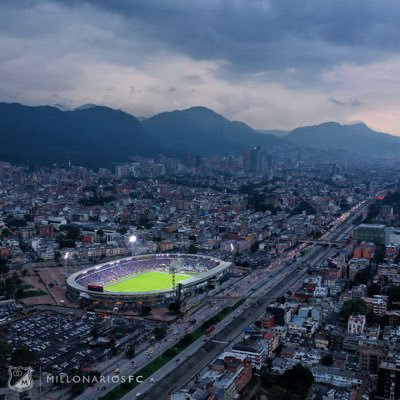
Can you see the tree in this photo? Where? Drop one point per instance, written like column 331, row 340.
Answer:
column 281, row 300
column 122, row 230
column 363, row 276
column 344, row 205
column 393, row 293
column 145, row 309
column 297, row 379
column 5, row 233
column 130, row 353
column 77, row 388
column 113, row 351
column 95, row 332
column 3, row 266
column 192, row 249
column 371, row 318
column 254, row 246
column 5, row 351
column 373, row 289
column 353, row 307
column 327, row 360
column 170, row 352
column 159, row 332
column 304, row 206
column 57, row 256
column 277, row 393
column 186, row 340
column 100, row 232
column 174, row 306
column 15, row 223
column 379, row 255
column 96, row 200
column 19, row 294
column 23, row 356
column 68, row 235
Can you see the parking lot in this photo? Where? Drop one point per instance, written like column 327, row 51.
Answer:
column 66, row 342
column 10, row 310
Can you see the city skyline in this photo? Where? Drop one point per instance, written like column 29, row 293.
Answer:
column 270, row 64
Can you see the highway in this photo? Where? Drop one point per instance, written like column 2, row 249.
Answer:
column 283, row 277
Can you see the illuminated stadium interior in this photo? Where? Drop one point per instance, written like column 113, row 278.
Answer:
column 150, row 276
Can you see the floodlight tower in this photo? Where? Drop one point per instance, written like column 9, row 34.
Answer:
column 132, row 241
column 172, row 271
column 66, row 263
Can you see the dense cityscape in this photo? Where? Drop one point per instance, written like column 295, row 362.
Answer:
column 311, row 295
column 199, row 200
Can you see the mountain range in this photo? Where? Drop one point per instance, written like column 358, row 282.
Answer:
column 96, row 136
column 203, row 131
column 274, row 132
column 357, row 139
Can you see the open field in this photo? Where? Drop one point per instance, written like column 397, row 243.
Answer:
column 146, row 282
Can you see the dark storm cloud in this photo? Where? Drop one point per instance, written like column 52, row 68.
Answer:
column 270, row 63
column 351, row 102
column 196, row 79
column 254, row 36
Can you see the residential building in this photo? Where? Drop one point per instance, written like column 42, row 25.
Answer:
column 356, row 324
column 388, row 386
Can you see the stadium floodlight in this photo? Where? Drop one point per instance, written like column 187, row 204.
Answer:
column 132, row 241
column 66, row 263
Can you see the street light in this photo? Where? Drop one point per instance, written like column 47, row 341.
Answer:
column 66, row 263
column 232, row 248
column 132, row 241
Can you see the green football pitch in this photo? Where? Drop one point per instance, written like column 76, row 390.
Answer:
column 146, row 282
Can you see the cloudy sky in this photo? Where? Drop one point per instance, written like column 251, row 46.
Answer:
column 270, row 63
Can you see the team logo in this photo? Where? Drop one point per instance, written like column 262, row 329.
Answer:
column 20, row 378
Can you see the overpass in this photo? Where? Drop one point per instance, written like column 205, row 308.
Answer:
column 320, row 242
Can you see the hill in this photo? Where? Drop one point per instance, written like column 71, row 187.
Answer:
column 274, row 132
column 358, row 139
column 201, row 130
column 91, row 136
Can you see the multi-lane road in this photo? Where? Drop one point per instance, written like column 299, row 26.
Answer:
column 282, row 278
column 282, row 275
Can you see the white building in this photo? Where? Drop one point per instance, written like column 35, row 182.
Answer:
column 321, row 291
column 336, row 377
column 356, row 324
column 254, row 350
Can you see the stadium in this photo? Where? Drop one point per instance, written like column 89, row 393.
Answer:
column 151, row 279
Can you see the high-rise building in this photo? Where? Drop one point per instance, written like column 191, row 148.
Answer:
column 371, row 354
column 388, row 387
column 255, row 159
column 375, row 233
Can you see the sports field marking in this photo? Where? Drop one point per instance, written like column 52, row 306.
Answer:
column 146, row 282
